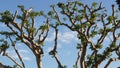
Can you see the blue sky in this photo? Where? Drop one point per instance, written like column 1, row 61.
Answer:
column 67, row 41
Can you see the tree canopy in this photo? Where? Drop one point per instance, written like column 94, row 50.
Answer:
column 92, row 24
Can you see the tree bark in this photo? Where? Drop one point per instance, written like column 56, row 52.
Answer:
column 82, row 59
column 58, row 61
column 39, row 61
column 38, row 52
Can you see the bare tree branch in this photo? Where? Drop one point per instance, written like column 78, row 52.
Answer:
column 16, row 12
column 14, row 46
column 110, row 61
column 54, row 51
column 6, row 54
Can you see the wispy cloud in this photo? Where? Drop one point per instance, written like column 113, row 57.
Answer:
column 67, row 37
column 64, row 37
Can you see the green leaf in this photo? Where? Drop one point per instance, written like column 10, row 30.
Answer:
column 21, row 7
column 82, row 38
column 7, row 33
column 94, row 4
column 110, row 18
column 61, row 5
column 93, row 33
column 79, row 3
column 109, row 29
column 42, row 43
column 19, row 17
column 79, row 17
column 64, row 19
column 58, row 23
column 101, row 31
column 50, row 13
column 5, row 45
column 6, row 17
column 34, row 13
column 94, row 15
column 107, row 52
column 84, row 25
column 31, row 29
column 81, row 11
column 27, row 23
column 90, row 57
column 113, row 45
column 13, row 43
column 41, row 13
column 78, row 46
column 100, row 55
column 99, row 46
column 44, row 27
column 75, row 9
column 17, row 38
column 77, row 26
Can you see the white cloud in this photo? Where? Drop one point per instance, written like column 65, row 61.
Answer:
column 67, row 37
column 64, row 37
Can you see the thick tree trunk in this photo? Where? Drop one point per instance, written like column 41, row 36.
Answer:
column 82, row 59
column 38, row 52
column 39, row 61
